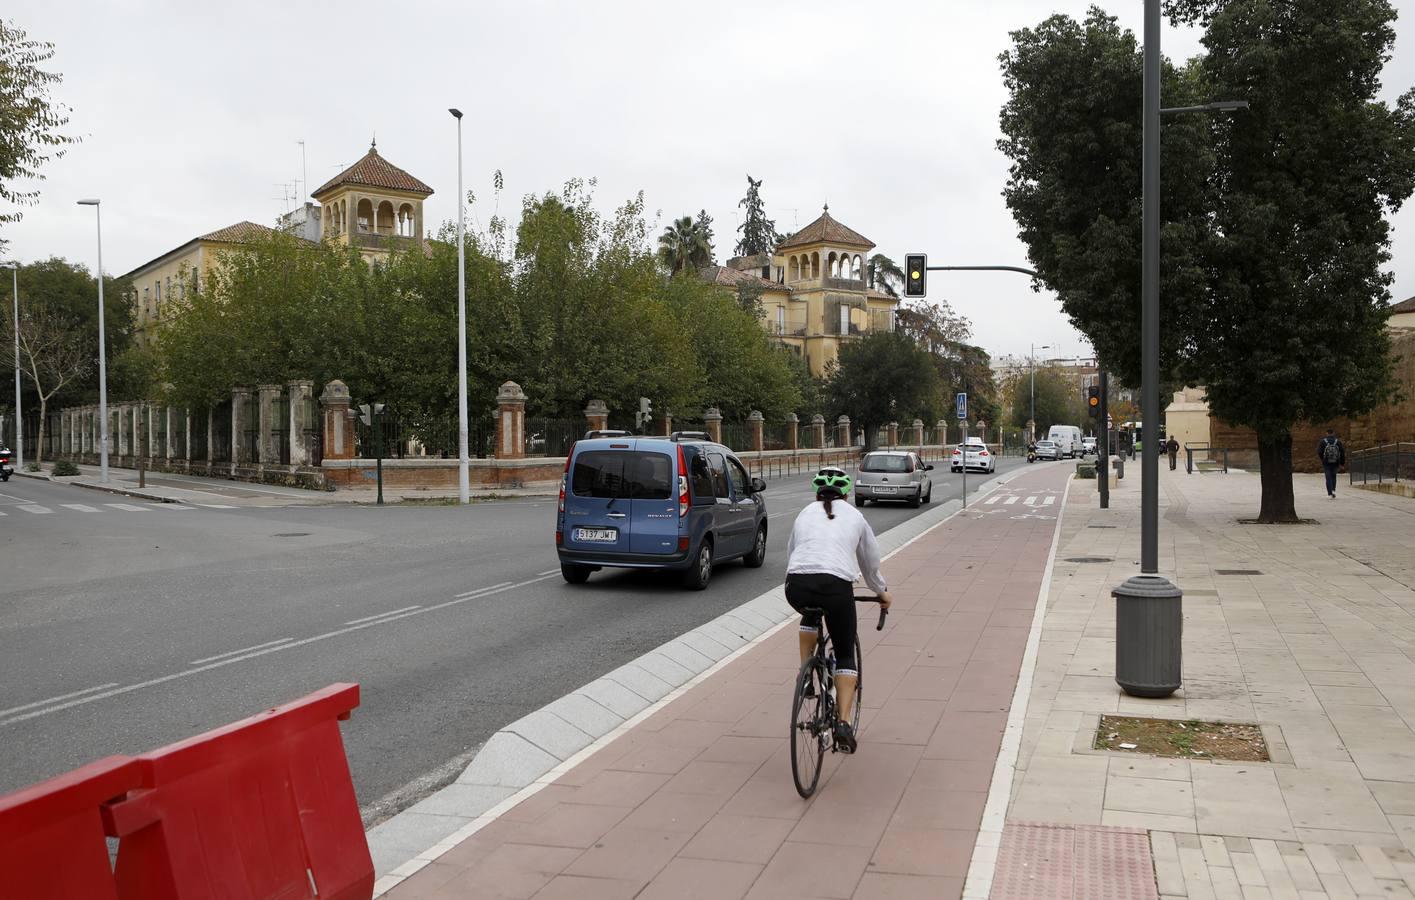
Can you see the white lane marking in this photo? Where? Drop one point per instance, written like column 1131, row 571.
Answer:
column 207, row 659
column 127, row 507
column 391, row 612
column 492, row 587
column 216, row 506
column 174, row 507
column 2, row 514
column 549, row 572
column 1030, row 501
column 163, row 679
column 1011, row 500
column 993, row 499
column 79, row 507
column 61, row 697
column 36, row 509
column 1048, row 501
column 13, row 497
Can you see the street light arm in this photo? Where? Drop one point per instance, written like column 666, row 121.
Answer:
column 1024, row 271
column 1216, row 106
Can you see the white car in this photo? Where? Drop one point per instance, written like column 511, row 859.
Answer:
column 893, row 475
column 1048, row 450
column 979, row 458
column 1088, row 445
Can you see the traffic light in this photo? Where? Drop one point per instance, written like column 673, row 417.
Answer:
column 645, row 412
column 1093, row 401
column 916, row 272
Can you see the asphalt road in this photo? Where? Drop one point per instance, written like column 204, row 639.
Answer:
column 125, row 625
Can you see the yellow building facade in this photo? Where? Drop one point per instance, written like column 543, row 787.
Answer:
column 372, row 205
column 815, row 290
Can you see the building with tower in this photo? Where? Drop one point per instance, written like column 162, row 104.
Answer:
column 372, row 205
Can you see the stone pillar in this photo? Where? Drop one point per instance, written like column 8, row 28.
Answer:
column 842, row 432
column 918, row 432
column 818, row 431
column 942, row 427
column 793, row 431
column 596, row 415
column 186, row 426
column 301, row 453
column 712, row 419
column 210, row 436
column 240, row 456
column 892, row 432
column 121, row 438
column 338, row 429
column 510, row 421
column 167, row 424
column 665, row 423
column 983, row 431
column 269, row 447
column 754, row 425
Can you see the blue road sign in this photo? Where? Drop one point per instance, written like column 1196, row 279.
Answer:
column 962, row 406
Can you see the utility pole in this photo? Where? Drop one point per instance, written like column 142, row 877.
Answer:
column 19, row 415
column 463, row 473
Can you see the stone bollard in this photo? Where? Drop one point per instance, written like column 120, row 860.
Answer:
column 510, row 421
column 712, row 418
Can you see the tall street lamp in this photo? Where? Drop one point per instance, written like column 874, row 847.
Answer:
column 463, row 476
column 1149, row 615
column 102, row 353
column 19, row 417
column 1033, row 417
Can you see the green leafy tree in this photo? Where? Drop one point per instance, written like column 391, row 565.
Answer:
column 30, row 121
column 886, row 276
column 685, row 245
column 1274, row 228
column 52, row 356
column 1058, row 400
column 56, row 287
column 758, row 233
column 883, row 377
column 1293, row 328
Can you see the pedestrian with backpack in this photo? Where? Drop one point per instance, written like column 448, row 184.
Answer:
column 1332, row 452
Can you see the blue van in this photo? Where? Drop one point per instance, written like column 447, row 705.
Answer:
column 681, row 503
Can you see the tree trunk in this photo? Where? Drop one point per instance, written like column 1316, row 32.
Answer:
column 1275, row 459
column 39, row 435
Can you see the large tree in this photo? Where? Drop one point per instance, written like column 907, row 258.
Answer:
column 686, row 244
column 886, row 276
column 758, row 233
column 1273, row 228
column 30, row 121
column 53, row 356
column 883, row 377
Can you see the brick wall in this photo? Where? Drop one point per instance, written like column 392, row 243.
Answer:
column 442, row 473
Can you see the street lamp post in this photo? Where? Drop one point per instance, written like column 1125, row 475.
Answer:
column 1032, row 358
column 102, row 353
column 463, row 476
column 19, row 417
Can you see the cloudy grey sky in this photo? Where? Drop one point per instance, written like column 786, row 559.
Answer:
column 191, row 113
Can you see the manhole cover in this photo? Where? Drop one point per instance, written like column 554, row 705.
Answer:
column 1089, row 559
column 292, row 534
column 1237, row 572
column 1100, row 526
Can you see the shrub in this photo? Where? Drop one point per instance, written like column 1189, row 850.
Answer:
column 31, row 467
column 64, row 467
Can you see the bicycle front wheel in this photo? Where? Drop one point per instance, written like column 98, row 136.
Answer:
column 810, row 726
column 859, row 690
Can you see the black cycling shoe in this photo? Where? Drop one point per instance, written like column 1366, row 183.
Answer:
column 844, row 737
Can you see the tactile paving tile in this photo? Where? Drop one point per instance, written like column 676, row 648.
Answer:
column 1073, row 862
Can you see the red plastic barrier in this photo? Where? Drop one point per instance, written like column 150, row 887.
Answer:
column 262, row 808
column 51, row 834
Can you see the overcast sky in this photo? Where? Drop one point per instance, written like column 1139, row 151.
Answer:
column 191, row 114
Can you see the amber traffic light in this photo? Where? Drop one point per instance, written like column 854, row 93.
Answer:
column 1093, row 402
column 916, row 270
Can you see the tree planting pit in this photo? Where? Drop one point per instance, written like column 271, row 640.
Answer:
column 1182, row 738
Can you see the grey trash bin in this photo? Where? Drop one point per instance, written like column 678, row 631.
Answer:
column 1149, row 636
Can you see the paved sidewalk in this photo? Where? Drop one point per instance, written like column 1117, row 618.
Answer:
column 696, row 800
column 1308, row 630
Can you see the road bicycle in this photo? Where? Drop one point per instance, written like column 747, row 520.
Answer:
column 813, row 706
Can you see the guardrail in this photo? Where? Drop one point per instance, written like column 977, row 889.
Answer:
column 1388, row 462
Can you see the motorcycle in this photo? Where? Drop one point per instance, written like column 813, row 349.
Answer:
column 6, row 469
column 1031, row 456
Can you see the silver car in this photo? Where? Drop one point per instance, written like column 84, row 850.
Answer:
column 893, row 475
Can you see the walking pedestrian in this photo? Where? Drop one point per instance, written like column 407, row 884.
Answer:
column 1332, row 452
column 1172, row 448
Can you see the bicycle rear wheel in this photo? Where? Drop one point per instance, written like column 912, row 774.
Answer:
column 859, row 690
column 810, row 726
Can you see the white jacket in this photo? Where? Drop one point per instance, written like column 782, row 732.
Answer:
column 844, row 546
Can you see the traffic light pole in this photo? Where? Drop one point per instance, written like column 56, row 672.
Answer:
column 1103, row 445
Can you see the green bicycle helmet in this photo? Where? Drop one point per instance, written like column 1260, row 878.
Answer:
column 834, row 479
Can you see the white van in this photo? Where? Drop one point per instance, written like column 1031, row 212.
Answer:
column 1067, row 439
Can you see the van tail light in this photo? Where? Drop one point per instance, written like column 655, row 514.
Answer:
column 559, row 537
column 682, row 484
column 683, row 544
column 563, row 478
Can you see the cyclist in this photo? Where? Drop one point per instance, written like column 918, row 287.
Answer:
column 830, row 546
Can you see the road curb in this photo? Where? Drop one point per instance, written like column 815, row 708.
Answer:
column 124, row 492
column 533, row 751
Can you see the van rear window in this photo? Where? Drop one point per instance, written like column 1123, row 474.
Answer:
column 623, row 475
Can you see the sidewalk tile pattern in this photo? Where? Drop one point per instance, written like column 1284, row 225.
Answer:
column 1062, row 862
column 697, row 801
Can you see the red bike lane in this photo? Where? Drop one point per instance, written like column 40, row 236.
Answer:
column 696, row 800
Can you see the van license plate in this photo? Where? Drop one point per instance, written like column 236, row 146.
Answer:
column 885, row 490
column 597, row 535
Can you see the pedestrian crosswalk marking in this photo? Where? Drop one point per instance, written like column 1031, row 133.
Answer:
column 37, row 510
column 1030, row 501
column 1011, row 500
column 126, row 507
column 79, row 507
column 1048, row 501
column 993, row 499
column 216, row 506
column 172, row 506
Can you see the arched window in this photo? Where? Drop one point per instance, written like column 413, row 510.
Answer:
column 384, row 223
column 406, row 222
column 816, row 264
column 832, row 266
column 857, row 270
column 365, row 210
column 794, row 273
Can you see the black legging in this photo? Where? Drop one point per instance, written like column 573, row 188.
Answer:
column 837, row 597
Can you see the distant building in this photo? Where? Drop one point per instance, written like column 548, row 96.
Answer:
column 814, row 290
column 372, row 205
column 1402, row 315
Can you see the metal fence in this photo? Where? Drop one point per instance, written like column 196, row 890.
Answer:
column 421, row 437
column 312, row 426
column 199, row 448
column 737, row 436
column 1389, row 462
column 280, row 427
column 250, row 429
column 221, row 432
column 777, row 436
column 552, row 437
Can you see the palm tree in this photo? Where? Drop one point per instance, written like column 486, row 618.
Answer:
column 885, row 275
column 684, row 244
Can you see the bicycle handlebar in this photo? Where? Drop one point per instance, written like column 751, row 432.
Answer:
column 882, row 611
